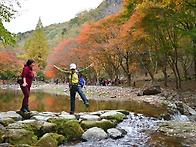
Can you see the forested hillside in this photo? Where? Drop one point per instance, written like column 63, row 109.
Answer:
column 70, row 29
column 137, row 38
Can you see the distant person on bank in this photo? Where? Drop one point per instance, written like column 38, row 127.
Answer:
column 25, row 83
column 74, row 85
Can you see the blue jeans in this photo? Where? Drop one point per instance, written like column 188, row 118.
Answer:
column 73, row 91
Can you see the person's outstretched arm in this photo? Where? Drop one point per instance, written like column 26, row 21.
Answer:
column 91, row 65
column 67, row 72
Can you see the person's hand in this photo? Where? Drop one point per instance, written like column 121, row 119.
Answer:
column 24, row 84
column 91, row 65
column 55, row 66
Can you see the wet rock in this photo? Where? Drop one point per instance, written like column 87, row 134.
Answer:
column 10, row 114
column 184, row 129
column 20, row 136
column 125, row 112
column 46, row 141
column 118, row 116
column 179, row 106
column 6, row 121
column 90, row 117
column 151, row 89
column 94, row 133
column 188, row 110
column 116, row 133
column 26, row 115
column 71, row 130
column 100, row 124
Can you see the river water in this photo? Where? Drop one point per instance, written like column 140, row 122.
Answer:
column 141, row 123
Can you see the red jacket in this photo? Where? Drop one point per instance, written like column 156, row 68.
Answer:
column 28, row 74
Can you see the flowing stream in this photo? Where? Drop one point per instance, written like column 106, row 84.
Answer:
column 141, row 123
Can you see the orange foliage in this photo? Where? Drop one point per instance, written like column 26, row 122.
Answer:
column 10, row 64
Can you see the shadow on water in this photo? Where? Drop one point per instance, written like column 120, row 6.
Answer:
column 141, row 124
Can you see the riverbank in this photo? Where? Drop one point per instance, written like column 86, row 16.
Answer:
column 171, row 124
column 167, row 96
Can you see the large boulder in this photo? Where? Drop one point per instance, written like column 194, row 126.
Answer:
column 48, row 128
column 46, row 141
column 20, row 136
column 116, row 133
column 115, row 115
column 94, row 133
column 90, row 117
column 21, row 124
column 151, row 89
column 10, row 114
column 6, row 121
column 38, row 127
column 100, row 124
column 57, row 137
column 71, row 130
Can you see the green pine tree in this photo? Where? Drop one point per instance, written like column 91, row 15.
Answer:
column 38, row 47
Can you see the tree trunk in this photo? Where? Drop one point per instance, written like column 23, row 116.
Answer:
column 194, row 56
column 164, row 70
column 129, row 79
column 152, row 77
column 177, row 70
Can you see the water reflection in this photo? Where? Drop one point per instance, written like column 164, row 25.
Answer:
column 40, row 101
column 141, row 130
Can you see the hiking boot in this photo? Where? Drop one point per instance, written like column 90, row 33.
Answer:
column 86, row 103
column 27, row 108
column 71, row 112
column 23, row 109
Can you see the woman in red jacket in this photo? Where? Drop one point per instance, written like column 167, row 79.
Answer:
column 25, row 84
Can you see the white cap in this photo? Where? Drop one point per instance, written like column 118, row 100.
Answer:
column 72, row 66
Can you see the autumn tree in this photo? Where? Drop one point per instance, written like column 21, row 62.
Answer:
column 10, row 66
column 62, row 56
column 38, row 47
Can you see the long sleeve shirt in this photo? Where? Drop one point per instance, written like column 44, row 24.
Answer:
column 73, row 77
column 28, row 74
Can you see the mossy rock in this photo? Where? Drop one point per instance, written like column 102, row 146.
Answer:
column 57, row 120
column 71, row 130
column 100, row 124
column 20, row 136
column 46, row 141
column 113, row 115
column 48, row 128
column 6, row 121
column 185, row 129
column 57, row 137
column 125, row 112
column 2, row 131
column 117, row 117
